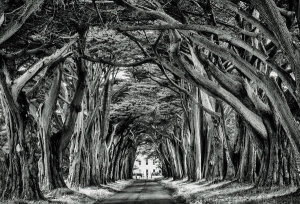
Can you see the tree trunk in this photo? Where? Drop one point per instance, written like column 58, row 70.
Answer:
column 174, row 161
column 22, row 176
column 278, row 160
column 45, row 115
column 79, row 156
column 103, row 162
column 56, row 179
column 59, row 141
column 195, row 140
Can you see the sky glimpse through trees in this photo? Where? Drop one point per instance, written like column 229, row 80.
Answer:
column 209, row 88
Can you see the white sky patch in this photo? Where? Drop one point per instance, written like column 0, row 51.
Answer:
column 122, row 75
column 273, row 74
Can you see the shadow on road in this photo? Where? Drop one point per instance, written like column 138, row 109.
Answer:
column 142, row 191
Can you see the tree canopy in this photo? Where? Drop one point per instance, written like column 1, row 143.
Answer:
column 209, row 87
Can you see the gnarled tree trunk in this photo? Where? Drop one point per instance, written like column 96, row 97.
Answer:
column 22, row 176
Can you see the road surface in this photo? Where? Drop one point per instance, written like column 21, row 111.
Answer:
column 142, row 192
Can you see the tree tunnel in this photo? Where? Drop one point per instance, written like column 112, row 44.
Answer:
column 209, row 88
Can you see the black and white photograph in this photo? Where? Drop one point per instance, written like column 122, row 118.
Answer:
column 149, row 101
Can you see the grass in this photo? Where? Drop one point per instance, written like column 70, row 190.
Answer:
column 91, row 195
column 230, row 192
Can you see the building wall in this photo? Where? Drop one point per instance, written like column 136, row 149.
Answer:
column 141, row 166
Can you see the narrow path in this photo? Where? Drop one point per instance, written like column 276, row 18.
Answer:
column 142, row 191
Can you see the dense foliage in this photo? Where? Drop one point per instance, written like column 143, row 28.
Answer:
column 211, row 88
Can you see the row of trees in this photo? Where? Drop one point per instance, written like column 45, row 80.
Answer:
column 55, row 104
column 234, row 62
column 232, row 68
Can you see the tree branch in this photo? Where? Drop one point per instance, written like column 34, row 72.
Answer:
column 30, row 7
column 22, row 52
column 20, row 82
column 233, row 7
column 222, row 34
column 134, row 64
column 217, row 115
column 192, row 76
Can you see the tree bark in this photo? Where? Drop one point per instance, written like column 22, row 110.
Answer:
column 46, row 112
column 22, row 177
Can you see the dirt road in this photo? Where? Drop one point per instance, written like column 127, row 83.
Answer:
column 142, row 191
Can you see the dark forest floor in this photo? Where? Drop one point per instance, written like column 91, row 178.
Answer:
column 229, row 192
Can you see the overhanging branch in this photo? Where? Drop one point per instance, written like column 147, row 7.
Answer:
column 222, row 34
column 30, row 7
column 103, row 61
column 20, row 82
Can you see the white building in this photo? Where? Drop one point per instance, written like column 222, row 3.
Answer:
column 144, row 167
